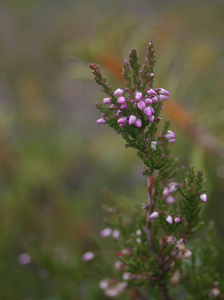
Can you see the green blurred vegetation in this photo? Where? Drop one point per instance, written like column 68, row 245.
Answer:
column 55, row 162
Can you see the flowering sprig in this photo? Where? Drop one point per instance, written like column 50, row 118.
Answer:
column 152, row 246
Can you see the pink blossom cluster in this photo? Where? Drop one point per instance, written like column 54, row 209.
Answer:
column 142, row 102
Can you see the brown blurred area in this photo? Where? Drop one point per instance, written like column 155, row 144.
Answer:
column 55, row 161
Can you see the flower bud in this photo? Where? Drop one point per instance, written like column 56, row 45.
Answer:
column 203, row 197
column 88, row 256
column 126, row 276
column 121, row 100
column 101, row 121
column 163, row 92
column 123, row 106
column 215, row 292
column 155, row 214
column 153, row 145
column 148, row 101
column 148, row 111
column 118, row 92
column 132, row 119
column 104, row 284
column 105, row 232
column 170, row 199
column 169, row 219
column 163, row 98
column 116, row 234
column 122, row 120
column 155, row 99
column 106, row 100
column 141, row 105
column 138, row 96
column 151, row 92
column 118, row 112
column 177, row 220
column 138, row 123
column 151, row 119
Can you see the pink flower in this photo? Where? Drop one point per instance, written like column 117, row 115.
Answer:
column 148, row 111
column 122, row 120
column 148, row 101
column 163, row 98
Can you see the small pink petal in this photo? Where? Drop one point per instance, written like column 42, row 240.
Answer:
column 177, row 220
column 151, row 119
column 155, row 99
column 123, row 106
column 88, row 256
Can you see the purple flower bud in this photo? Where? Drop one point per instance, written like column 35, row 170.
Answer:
column 151, row 119
column 152, row 110
column 172, row 141
column 103, row 114
column 113, row 106
column 138, row 123
column 155, row 214
column 163, row 98
column 148, row 101
column 122, row 125
column 148, row 111
column 170, row 199
column 169, row 136
column 163, row 92
column 203, row 197
column 141, row 105
column 169, row 219
column 101, row 121
column 151, row 92
column 132, row 119
column 177, row 220
column 121, row 100
column 166, row 192
column 88, row 256
column 162, row 108
column 106, row 100
column 116, row 234
column 122, row 120
column 118, row 112
column 138, row 96
column 123, row 106
column 118, row 92
column 155, row 99
column 105, row 232
column 152, row 75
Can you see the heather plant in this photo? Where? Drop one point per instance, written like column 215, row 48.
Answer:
column 152, row 256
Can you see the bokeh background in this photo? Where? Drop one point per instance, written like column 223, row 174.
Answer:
column 56, row 163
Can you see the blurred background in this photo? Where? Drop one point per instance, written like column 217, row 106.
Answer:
column 56, row 162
